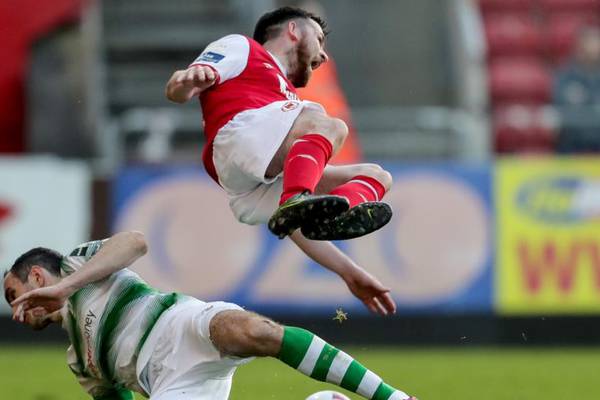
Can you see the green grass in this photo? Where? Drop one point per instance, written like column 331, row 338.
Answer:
column 40, row 373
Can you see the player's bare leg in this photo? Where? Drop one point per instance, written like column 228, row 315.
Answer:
column 364, row 185
column 302, row 157
column 245, row 334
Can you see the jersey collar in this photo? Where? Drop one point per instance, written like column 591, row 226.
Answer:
column 279, row 64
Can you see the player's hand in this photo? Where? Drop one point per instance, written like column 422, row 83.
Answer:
column 189, row 83
column 50, row 298
column 371, row 292
column 38, row 318
column 198, row 76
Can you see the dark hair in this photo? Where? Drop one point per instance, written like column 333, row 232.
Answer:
column 48, row 259
column 268, row 27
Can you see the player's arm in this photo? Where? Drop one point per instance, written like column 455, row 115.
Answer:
column 188, row 83
column 222, row 60
column 363, row 285
column 118, row 252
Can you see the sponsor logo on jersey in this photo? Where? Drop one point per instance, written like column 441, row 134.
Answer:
column 290, row 105
column 90, row 318
column 283, row 87
column 210, row 56
column 560, row 200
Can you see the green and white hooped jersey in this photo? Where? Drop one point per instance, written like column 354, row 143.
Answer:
column 108, row 322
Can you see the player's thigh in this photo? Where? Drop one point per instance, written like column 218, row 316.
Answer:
column 336, row 175
column 245, row 334
column 310, row 120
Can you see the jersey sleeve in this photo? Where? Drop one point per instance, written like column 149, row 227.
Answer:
column 228, row 56
column 79, row 256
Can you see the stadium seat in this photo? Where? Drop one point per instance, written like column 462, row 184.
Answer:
column 586, row 6
column 519, row 81
column 561, row 32
column 510, row 35
column 520, row 129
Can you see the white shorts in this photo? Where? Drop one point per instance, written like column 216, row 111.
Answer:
column 242, row 152
column 179, row 361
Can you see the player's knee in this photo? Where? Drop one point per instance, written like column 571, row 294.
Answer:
column 311, row 121
column 245, row 334
column 335, row 130
column 378, row 173
column 341, row 131
column 386, row 179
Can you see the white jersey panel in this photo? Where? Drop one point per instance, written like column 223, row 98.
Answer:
column 107, row 322
column 228, row 56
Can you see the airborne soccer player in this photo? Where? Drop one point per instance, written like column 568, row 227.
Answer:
column 257, row 129
column 126, row 336
column 269, row 150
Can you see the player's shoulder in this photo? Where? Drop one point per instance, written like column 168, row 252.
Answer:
column 230, row 41
column 227, row 54
column 79, row 256
column 87, row 249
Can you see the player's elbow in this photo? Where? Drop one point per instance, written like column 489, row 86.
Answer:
column 138, row 242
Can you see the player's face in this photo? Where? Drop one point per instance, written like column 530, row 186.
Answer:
column 13, row 288
column 310, row 53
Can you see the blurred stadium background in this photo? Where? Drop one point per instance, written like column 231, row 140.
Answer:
column 494, row 251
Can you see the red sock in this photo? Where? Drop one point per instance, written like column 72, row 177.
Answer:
column 360, row 189
column 304, row 164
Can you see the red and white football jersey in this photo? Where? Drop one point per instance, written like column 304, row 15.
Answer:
column 249, row 77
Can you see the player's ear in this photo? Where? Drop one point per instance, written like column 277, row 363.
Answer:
column 36, row 277
column 293, row 30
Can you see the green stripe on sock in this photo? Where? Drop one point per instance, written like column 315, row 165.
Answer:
column 353, row 376
column 294, row 346
column 383, row 392
column 324, row 362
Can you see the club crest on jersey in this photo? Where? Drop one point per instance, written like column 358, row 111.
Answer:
column 289, row 106
column 210, row 56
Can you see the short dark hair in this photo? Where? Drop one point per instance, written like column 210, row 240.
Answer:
column 48, row 259
column 268, row 27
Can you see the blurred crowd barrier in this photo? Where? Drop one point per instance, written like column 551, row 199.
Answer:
column 520, row 236
column 197, row 246
column 44, row 201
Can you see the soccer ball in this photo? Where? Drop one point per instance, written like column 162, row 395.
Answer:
column 327, row 395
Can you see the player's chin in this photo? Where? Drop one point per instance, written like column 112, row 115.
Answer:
column 37, row 320
column 39, row 324
column 302, row 81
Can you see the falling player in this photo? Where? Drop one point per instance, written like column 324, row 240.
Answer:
column 269, row 150
column 126, row 336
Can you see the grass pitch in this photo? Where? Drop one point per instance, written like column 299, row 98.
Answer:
column 40, row 373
